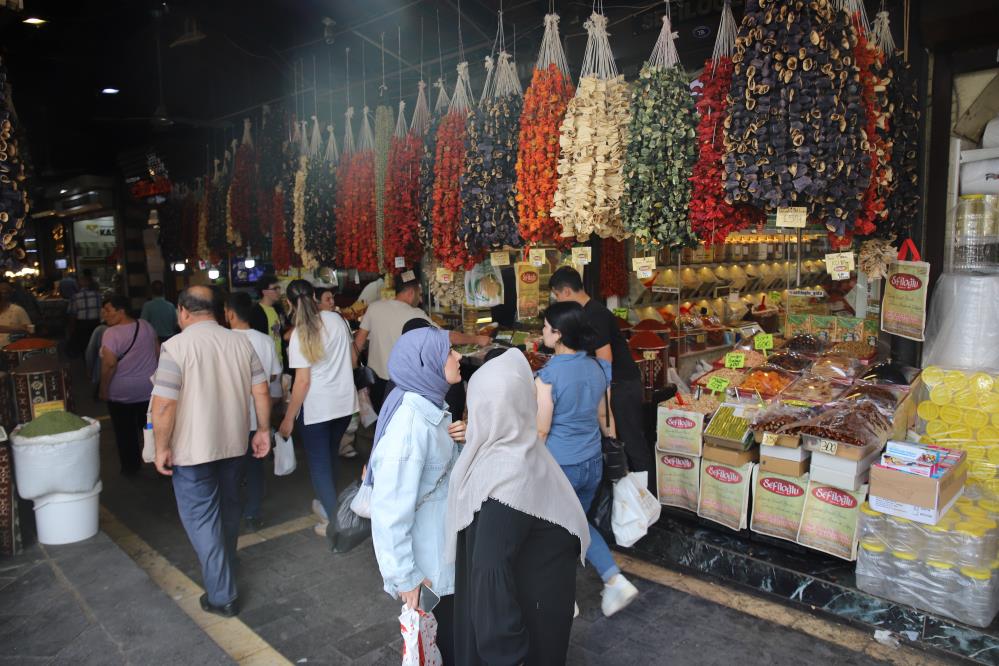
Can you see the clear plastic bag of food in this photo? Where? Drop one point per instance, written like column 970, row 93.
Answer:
column 832, row 366
column 813, row 390
column 885, row 397
column 790, row 361
column 775, row 417
column 851, row 423
column 767, row 380
column 805, row 343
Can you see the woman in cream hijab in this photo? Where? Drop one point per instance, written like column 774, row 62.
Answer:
column 514, row 526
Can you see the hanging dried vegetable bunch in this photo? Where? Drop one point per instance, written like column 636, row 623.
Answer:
column 794, row 135
column 384, row 124
column 903, row 201
column 243, row 190
column 450, row 294
column 215, row 233
column 356, row 203
column 189, row 222
column 271, row 163
column 320, row 203
column 14, row 202
column 545, row 103
column 299, row 199
column 489, row 181
column 592, row 139
column 613, row 271
column 402, row 203
column 448, row 167
column 712, row 219
column 662, row 148
column 170, row 226
column 204, row 210
column 281, row 257
column 292, row 158
column 427, row 164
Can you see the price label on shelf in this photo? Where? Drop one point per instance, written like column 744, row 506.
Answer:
column 644, row 266
column 828, row 446
column 794, row 217
column 620, row 313
column 581, row 255
column 735, row 360
column 763, row 342
column 445, row 275
column 536, row 257
column 400, row 262
column 840, row 264
column 650, row 355
column 769, row 439
column 499, row 258
column 716, row 384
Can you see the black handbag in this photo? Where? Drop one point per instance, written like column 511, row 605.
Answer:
column 615, row 458
column 364, row 377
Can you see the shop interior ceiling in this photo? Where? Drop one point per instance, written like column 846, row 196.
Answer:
column 220, row 59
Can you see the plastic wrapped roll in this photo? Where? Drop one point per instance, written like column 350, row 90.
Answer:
column 960, row 327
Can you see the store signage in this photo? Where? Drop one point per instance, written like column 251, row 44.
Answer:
column 680, row 422
column 678, row 480
column 735, row 360
column 528, row 290
column 536, row 257
column 644, row 266
column 143, row 189
column 829, row 520
column 781, row 487
column 724, row 474
column 724, row 494
column 835, row 497
column 795, row 217
column 679, row 431
column 840, row 264
column 905, row 282
column 445, row 275
column 499, row 258
column 807, row 293
column 777, row 511
column 678, row 462
column 581, row 255
column 903, row 310
column 657, row 289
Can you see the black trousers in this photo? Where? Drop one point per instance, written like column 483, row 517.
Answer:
column 128, row 420
column 444, row 614
column 626, row 404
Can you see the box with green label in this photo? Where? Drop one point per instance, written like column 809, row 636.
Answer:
column 730, row 426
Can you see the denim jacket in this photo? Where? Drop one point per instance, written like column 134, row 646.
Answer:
column 412, row 465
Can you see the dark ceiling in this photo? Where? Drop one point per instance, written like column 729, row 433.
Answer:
column 259, row 51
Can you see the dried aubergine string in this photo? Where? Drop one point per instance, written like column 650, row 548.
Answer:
column 320, row 212
column 794, row 135
column 904, row 200
column 428, row 155
column 613, row 272
column 281, row 256
column 384, row 124
column 870, row 61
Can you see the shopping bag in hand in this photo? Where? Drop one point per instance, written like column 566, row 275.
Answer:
column 419, row 638
column 635, row 509
column 366, row 408
column 347, row 530
column 601, row 509
column 284, row 455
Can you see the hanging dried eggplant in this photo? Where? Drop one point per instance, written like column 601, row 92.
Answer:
column 427, row 171
column 319, row 227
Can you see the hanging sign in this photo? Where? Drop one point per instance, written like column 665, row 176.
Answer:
column 792, row 218
column 840, row 264
column 400, row 262
column 903, row 311
column 581, row 255
column 536, row 257
column 445, row 275
column 499, row 258
column 620, row 313
column 644, row 266
column 528, row 290
column 735, row 360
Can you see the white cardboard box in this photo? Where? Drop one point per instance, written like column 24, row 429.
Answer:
column 911, row 511
column 842, row 472
column 784, row 453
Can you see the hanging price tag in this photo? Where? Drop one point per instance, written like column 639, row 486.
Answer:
column 763, row 341
column 769, row 439
column 400, row 262
column 840, row 264
column 792, row 218
column 735, row 360
column 716, row 384
column 536, row 257
column 581, row 255
column 644, row 266
column 620, row 313
column 499, row 258
column 408, row 276
column 445, row 275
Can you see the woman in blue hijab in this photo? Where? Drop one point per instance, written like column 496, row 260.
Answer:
column 410, row 467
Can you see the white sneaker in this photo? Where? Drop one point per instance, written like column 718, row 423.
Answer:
column 617, row 594
column 317, row 508
column 575, row 610
column 321, row 528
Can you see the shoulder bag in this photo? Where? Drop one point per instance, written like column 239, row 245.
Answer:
column 364, row 377
column 615, row 458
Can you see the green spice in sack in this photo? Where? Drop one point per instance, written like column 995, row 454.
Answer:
column 53, row 423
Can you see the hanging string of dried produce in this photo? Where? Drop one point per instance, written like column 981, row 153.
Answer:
column 448, row 168
column 204, row 209
column 292, row 163
column 215, row 234
column 903, row 201
column 613, row 271
column 592, row 139
column 545, row 103
column 489, row 180
column 384, row 124
column 281, row 257
column 356, row 204
column 243, row 190
column 427, row 166
column 712, row 219
column 299, row 199
column 662, row 148
column 189, row 223
column 794, row 135
column 171, row 224
column 320, row 203
column 402, row 203
column 271, row 163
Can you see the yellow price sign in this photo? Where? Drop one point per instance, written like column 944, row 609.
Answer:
column 828, row 446
column 763, row 341
column 735, row 360
column 39, row 408
column 536, row 257
column 582, row 255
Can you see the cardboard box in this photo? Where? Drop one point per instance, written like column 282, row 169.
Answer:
column 842, row 472
column 741, row 413
column 777, row 439
column 784, row 467
column 839, row 449
column 784, row 453
column 730, row 457
column 917, row 498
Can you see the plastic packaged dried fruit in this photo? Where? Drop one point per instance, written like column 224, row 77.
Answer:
column 813, row 390
column 831, row 366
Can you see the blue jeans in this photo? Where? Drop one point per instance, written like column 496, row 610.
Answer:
column 208, row 503
column 254, row 476
column 322, row 449
column 585, row 479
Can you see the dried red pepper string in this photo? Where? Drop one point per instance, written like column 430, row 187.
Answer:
column 448, row 168
column 402, row 203
column 280, row 250
column 356, row 242
column 243, row 192
column 613, row 273
column 873, row 210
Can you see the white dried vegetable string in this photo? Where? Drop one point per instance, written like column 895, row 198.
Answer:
column 882, row 33
column 487, row 88
column 598, row 61
column 303, row 147
column 507, row 83
column 316, row 140
column 401, row 128
column 443, row 101
column 421, row 112
column 461, row 100
column 332, row 155
column 664, row 53
column 727, row 32
column 551, row 52
column 348, row 131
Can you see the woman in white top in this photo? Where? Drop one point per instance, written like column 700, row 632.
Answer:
column 323, row 397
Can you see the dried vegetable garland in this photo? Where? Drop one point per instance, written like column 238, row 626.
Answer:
column 872, row 73
column 402, row 202
column 243, row 190
column 320, row 208
column 270, row 170
column 662, row 148
column 427, row 169
column 298, row 221
column 384, row 123
column 449, row 163
column 356, row 244
column 592, row 139
column 281, row 256
column 489, row 180
column 204, row 208
column 450, row 294
column 613, row 272
column 794, row 135
column 218, row 209
column 189, row 225
column 170, row 228
column 545, row 104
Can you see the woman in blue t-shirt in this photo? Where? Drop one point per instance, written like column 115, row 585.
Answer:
column 572, row 414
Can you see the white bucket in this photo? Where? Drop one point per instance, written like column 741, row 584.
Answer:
column 67, row 517
column 66, row 463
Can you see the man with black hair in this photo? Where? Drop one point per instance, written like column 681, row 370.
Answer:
column 382, row 326
column 160, row 312
column 207, row 376
column 267, row 316
column 626, row 380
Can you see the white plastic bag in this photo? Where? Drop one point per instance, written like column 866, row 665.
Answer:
column 419, row 638
column 367, row 411
column 284, row 455
column 635, row 509
column 361, row 504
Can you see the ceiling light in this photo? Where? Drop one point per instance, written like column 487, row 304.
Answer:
column 250, row 263
column 110, row 91
column 179, row 266
column 34, row 20
column 213, row 274
column 63, row 191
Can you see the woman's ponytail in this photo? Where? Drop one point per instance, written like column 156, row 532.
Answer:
column 307, row 321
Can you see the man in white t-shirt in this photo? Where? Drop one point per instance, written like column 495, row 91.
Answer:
column 382, row 325
column 238, row 310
